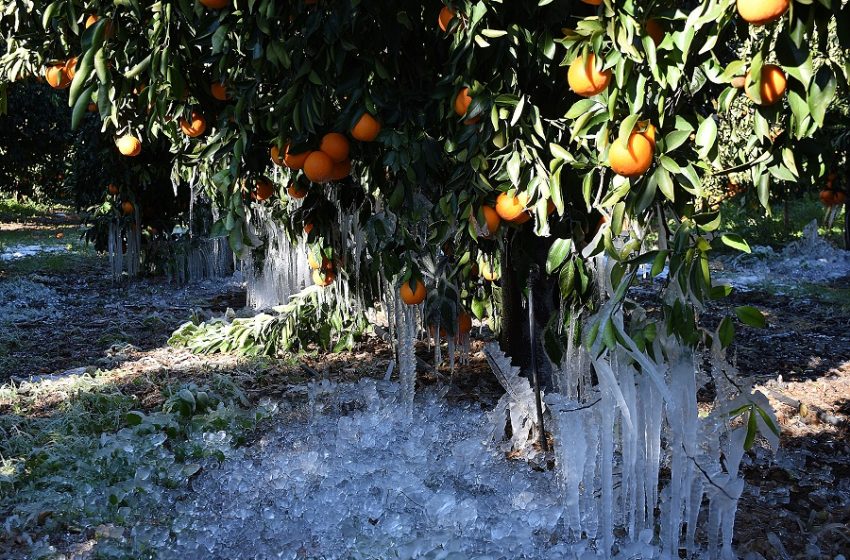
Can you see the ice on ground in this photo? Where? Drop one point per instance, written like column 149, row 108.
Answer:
column 354, row 476
column 21, row 251
column 25, row 300
column 810, row 259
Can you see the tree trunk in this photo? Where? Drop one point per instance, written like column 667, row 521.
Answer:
column 847, row 226
column 515, row 335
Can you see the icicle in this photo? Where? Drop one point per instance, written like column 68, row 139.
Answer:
column 407, row 356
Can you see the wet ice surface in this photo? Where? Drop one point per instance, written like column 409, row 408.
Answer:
column 21, row 251
column 811, row 259
column 359, row 479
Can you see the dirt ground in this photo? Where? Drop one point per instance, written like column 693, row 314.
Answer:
column 796, row 504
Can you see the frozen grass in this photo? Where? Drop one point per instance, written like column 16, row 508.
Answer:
column 93, row 449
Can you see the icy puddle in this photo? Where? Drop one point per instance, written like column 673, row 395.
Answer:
column 21, row 251
column 356, row 478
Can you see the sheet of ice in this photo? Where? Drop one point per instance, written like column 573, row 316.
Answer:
column 15, row 252
column 810, row 259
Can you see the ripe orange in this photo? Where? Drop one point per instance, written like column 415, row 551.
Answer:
column 318, row 166
column 323, row 279
column 129, row 145
column 195, row 128
column 827, row 197
column 91, row 20
column 654, row 30
column 585, row 79
column 491, row 216
column 308, row 227
column 57, row 76
column 265, row 189
column 521, row 219
column 335, row 145
column 511, row 207
column 649, row 132
column 112, row 189
column 127, row 207
column 275, row 155
column 92, row 107
column 294, row 161
column 631, row 160
column 215, row 4
column 366, row 129
column 219, row 91
column 341, row 170
column 773, row 84
column 593, row 2
column 413, row 296
column 296, row 192
column 840, row 198
column 462, row 103
column 761, row 12
column 71, row 67
column 446, row 16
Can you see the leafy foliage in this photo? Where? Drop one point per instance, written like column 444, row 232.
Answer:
column 294, row 71
column 311, row 317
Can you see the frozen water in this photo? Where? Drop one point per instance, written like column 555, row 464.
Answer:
column 21, row 251
column 353, row 476
column 24, row 300
column 283, row 271
column 360, row 470
column 810, row 259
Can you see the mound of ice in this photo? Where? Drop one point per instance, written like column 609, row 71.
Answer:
column 811, row 259
column 356, row 477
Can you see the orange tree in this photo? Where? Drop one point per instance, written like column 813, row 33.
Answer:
column 531, row 134
column 34, row 139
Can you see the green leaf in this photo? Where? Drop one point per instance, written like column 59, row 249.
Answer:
column 706, row 137
column 821, row 93
column 751, row 316
column 752, row 430
column 627, row 127
column 134, row 418
column 726, row 332
column 558, row 253
column 736, row 242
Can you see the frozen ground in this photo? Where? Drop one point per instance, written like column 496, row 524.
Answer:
column 355, row 478
column 811, row 259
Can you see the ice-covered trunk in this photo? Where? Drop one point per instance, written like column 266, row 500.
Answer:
column 515, row 329
column 124, row 243
column 406, row 326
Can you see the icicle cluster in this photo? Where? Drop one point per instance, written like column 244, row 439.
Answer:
column 406, row 327
column 283, row 271
column 614, row 435
column 125, row 257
